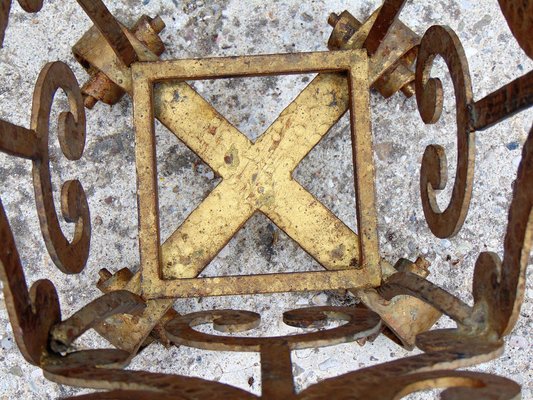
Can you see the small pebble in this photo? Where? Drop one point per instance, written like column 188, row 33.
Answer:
column 518, row 341
column 7, row 343
column 329, row 364
column 297, row 370
column 302, row 301
column 320, row 299
column 16, row 370
column 512, row 145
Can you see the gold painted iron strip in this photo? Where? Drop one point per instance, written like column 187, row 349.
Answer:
column 261, row 283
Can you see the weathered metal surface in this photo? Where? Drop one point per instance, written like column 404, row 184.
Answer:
column 32, row 312
column 91, row 50
column 392, row 380
column 117, row 302
column 99, row 14
column 276, row 368
column 502, row 103
column 404, row 317
column 110, row 30
column 387, row 16
column 99, row 87
column 498, row 286
column 518, row 15
column 497, row 106
column 392, row 63
column 69, row 257
column 257, row 177
column 121, row 330
column 443, row 41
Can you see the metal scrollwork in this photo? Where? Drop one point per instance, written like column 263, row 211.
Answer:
column 498, row 286
column 36, row 313
column 440, row 40
column 69, row 257
column 32, row 312
column 501, row 284
column 277, row 381
column 392, row 380
column 389, row 12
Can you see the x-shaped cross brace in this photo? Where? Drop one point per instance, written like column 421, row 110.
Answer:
column 129, row 334
column 256, row 177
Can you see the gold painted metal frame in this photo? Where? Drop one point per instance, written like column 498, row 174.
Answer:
column 402, row 301
column 156, row 283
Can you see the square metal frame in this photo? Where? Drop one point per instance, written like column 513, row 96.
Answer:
column 145, row 74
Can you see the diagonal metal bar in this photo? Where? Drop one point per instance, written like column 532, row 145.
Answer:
column 205, row 232
column 178, row 107
column 387, row 15
column 502, row 103
column 248, row 187
column 110, row 30
column 324, row 236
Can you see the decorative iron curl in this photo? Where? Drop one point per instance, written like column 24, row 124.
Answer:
column 501, row 284
column 498, row 286
column 68, row 257
column 32, row 312
column 33, row 144
column 359, row 323
column 441, row 40
column 35, row 314
column 277, row 379
column 392, row 380
column 443, row 349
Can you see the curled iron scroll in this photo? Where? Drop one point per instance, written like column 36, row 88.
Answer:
column 501, row 284
column 35, row 313
column 32, row 312
column 498, row 287
column 359, row 323
column 442, row 41
column 70, row 257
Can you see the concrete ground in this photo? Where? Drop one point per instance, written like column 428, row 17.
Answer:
column 224, row 28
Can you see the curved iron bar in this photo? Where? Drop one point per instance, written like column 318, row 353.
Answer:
column 69, row 257
column 35, row 313
column 440, row 40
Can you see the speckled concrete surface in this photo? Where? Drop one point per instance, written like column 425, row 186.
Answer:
column 222, row 28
